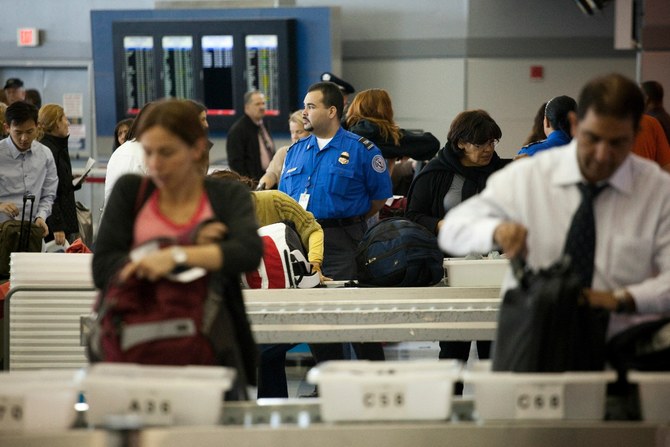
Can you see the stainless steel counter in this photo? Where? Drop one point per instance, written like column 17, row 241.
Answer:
column 297, row 423
column 373, row 314
column 417, row 434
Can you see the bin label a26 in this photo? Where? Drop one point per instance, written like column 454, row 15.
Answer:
column 152, row 407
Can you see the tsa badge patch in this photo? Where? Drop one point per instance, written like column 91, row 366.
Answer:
column 378, row 163
column 344, row 158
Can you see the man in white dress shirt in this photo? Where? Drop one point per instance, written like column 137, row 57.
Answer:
column 527, row 208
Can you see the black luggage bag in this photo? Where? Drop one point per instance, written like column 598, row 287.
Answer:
column 19, row 235
column 545, row 325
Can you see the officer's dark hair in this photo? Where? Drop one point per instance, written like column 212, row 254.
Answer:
column 332, row 96
column 471, row 126
column 20, row 112
column 556, row 112
column 614, row 96
column 654, row 91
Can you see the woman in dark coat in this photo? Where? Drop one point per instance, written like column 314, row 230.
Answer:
column 55, row 127
column 370, row 115
column 179, row 203
column 459, row 171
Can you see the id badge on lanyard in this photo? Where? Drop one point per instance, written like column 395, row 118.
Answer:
column 304, row 200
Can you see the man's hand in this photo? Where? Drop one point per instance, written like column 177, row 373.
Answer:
column 511, row 237
column 9, row 209
column 59, row 237
column 600, row 298
column 41, row 223
column 607, row 299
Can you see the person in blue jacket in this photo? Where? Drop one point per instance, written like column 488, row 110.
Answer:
column 556, row 126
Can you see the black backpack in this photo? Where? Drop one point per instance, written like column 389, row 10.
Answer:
column 399, row 252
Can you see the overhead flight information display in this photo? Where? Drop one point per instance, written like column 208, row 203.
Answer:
column 138, row 72
column 178, row 67
column 263, row 68
column 217, row 74
column 214, row 62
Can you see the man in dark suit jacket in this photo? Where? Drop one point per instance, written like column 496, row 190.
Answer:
column 249, row 145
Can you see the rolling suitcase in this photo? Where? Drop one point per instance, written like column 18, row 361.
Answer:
column 19, row 235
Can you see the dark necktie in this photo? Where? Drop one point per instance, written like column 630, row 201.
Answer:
column 580, row 243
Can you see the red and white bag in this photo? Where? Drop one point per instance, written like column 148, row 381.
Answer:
column 284, row 264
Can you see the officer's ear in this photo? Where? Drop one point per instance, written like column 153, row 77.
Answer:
column 332, row 112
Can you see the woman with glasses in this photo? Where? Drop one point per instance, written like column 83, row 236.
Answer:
column 459, row 171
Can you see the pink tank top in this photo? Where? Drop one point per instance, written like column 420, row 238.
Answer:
column 151, row 223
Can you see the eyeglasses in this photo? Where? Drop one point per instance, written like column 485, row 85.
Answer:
column 490, row 143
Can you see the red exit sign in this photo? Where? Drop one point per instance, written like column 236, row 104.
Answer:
column 28, row 37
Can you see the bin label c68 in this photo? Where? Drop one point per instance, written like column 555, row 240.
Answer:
column 539, row 401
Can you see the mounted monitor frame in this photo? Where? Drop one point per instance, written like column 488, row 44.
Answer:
column 211, row 61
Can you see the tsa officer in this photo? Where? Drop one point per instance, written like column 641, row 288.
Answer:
column 342, row 179
column 338, row 176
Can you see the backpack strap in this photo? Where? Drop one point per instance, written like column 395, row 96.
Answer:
column 142, row 194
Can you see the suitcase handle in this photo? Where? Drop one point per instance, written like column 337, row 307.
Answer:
column 24, row 235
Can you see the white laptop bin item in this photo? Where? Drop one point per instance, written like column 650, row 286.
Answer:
column 156, row 395
column 463, row 272
column 37, row 400
column 654, row 394
column 391, row 390
column 566, row 396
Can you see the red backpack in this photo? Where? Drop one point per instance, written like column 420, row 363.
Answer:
column 163, row 322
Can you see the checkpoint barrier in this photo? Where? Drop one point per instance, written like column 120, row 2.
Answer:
column 43, row 322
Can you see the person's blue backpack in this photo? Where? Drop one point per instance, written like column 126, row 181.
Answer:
column 399, row 252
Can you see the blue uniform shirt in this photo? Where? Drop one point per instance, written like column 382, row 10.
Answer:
column 342, row 179
column 556, row 138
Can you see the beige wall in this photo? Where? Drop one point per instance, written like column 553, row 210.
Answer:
column 428, row 93
column 503, row 87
